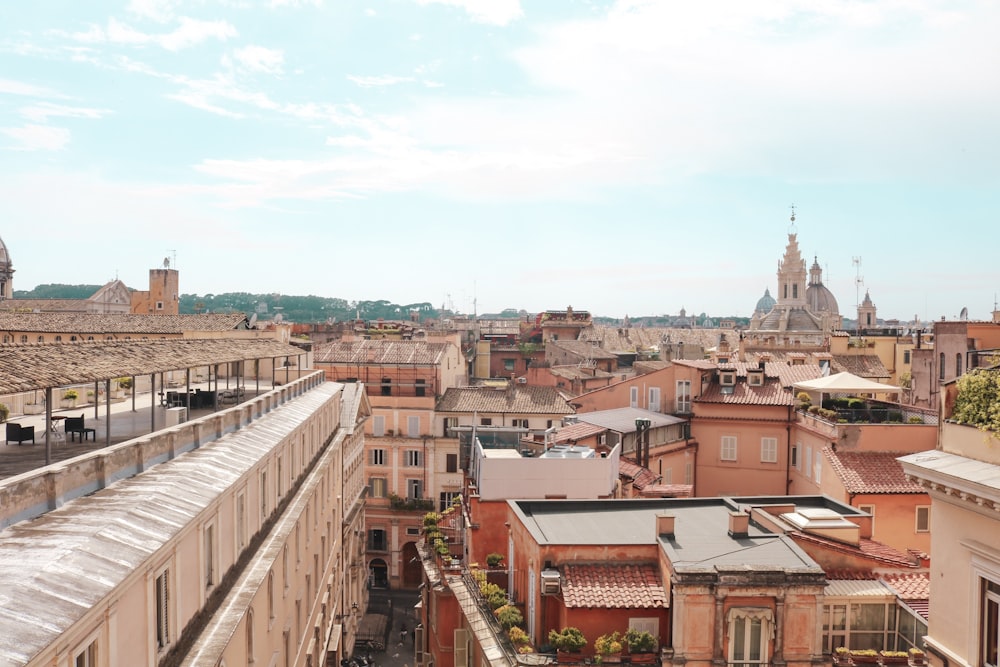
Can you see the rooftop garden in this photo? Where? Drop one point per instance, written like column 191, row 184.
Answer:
column 855, row 410
column 977, row 402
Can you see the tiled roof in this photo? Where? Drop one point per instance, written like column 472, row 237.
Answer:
column 83, row 324
column 631, row 339
column 583, row 349
column 575, row 432
column 380, row 351
column 640, row 476
column 863, row 365
column 910, row 585
column 867, row 549
column 770, row 393
column 45, row 305
column 515, row 399
column 613, row 587
column 37, row 366
column 643, row 367
column 871, row 472
column 575, row 372
column 700, row 364
column 668, row 491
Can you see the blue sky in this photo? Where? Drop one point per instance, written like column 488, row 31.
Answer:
column 621, row 157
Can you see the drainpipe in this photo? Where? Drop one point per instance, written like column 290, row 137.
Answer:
column 788, row 449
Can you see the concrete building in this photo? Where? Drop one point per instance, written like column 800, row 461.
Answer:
column 234, row 539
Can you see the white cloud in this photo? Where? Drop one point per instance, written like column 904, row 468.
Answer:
column 494, row 12
column 9, row 87
column 188, row 33
column 156, row 10
column 376, row 81
column 42, row 111
column 260, row 59
column 38, row 137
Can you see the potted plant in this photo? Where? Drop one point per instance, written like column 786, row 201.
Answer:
column 69, row 398
column 494, row 559
column 509, row 616
column 916, row 656
column 641, row 646
column 519, row 638
column 841, row 656
column 568, row 642
column 4, row 412
column 608, row 647
column 893, row 657
column 865, row 656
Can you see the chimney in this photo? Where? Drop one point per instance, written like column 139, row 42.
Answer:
column 664, row 525
column 739, row 524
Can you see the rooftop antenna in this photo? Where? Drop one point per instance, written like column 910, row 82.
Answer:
column 859, row 280
column 172, row 260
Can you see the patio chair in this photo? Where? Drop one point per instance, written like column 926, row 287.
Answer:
column 17, row 433
column 75, row 426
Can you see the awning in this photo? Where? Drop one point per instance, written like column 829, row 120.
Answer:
column 845, row 383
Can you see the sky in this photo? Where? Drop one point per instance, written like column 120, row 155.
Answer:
column 625, row 158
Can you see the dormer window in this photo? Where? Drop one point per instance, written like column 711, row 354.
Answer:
column 723, row 360
column 755, row 378
column 727, row 378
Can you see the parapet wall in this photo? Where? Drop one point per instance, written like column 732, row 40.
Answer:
column 38, row 491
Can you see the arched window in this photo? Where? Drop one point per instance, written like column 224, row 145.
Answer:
column 958, row 364
column 941, row 364
column 41, row 339
column 24, row 338
column 58, row 339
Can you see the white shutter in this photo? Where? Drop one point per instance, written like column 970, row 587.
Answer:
column 654, row 399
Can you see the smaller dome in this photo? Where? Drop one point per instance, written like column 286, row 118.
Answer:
column 821, row 300
column 765, row 303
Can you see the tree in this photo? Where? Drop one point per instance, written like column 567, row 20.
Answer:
column 978, row 399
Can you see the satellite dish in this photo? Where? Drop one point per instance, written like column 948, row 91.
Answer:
column 964, row 315
column 253, row 320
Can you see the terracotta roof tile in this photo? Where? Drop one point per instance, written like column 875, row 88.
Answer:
column 863, row 365
column 910, row 585
column 770, row 393
column 583, row 349
column 867, row 549
column 514, row 399
column 575, row 432
column 640, row 476
column 613, row 587
column 871, row 472
column 668, row 491
column 381, row 351
column 631, row 339
column 83, row 324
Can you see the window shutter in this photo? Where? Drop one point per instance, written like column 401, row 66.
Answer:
column 461, row 648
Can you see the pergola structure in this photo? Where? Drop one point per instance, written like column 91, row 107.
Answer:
column 845, row 383
column 48, row 366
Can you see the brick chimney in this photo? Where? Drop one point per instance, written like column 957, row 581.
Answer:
column 739, row 524
column 665, row 525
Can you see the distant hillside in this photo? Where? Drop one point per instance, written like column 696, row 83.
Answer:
column 302, row 308
column 56, row 291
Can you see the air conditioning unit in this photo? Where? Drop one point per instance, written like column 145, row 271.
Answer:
column 550, row 582
column 522, row 380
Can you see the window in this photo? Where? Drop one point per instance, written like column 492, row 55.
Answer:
column 633, row 397
column 795, row 456
column 486, row 421
column 817, row 468
column 991, row 624
column 263, row 495
column 159, row 305
column 728, row 451
column 755, row 379
column 768, row 450
column 414, row 489
column 59, row 340
column 447, row 498
column 940, row 364
column 413, row 458
column 378, row 457
column 809, row 460
column 377, row 540
column 413, row 427
column 24, row 338
column 387, row 386
column 749, row 632
column 689, row 473
column 421, row 388
column 451, row 462
column 958, row 364
column 378, row 486
column 683, row 396
column 378, row 426
column 270, row 595
column 906, row 356
column 727, row 379
column 87, row 657
column 209, row 556
column 161, row 595
column 924, row 519
column 508, row 364
column 449, row 424
column 654, row 399
column 868, row 509
column 519, row 423
column 667, row 476
column 871, row 625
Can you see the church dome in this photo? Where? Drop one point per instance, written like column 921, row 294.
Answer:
column 820, row 299
column 765, row 303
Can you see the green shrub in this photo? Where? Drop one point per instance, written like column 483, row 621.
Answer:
column 509, row 616
column 915, row 419
column 4, row 412
column 70, row 395
column 608, row 644
column 640, row 641
column 568, row 639
column 494, row 559
column 518, row 637
column 431, row 519
column 978, row 400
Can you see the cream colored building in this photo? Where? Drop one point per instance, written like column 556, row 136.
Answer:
column 235, row 539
